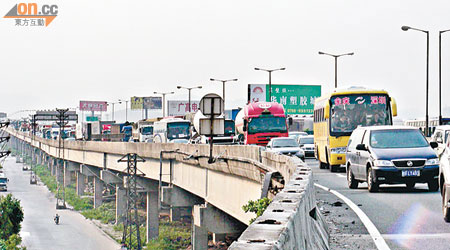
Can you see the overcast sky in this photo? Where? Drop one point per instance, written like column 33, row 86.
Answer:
column 105, row 49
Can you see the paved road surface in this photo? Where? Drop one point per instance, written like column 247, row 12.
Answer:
column 38, row 229
column 406, row 219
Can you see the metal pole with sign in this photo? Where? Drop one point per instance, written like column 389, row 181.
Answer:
column 211, row 105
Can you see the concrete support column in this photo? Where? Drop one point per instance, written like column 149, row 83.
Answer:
column 98, row 192
column 53, row 167
column 199, row 238
column 207, row 218
column 67, row 177
column 152, row 228
column 175, row 214
column 39, row 158
column 121, row 204
column 81, row 183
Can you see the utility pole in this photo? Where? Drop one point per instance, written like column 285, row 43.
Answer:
column 33, row 134
column 131, row 238
column 61, row 191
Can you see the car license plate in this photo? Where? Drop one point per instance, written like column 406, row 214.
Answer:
column 406, row 173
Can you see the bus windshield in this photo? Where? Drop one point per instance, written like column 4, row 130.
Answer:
column 147, row 130
column 351, row 111
column 229, row 128
column 267, row 124
column 178, row 130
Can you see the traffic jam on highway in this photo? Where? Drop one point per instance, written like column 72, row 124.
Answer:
column 350, row 129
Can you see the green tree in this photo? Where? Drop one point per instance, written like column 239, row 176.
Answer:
column 11, row 215
column 12, row 243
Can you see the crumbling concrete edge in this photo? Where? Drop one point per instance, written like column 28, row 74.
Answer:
column 291, row 221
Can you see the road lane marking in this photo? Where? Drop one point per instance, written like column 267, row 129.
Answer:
column 341, row 175
column 373, row 231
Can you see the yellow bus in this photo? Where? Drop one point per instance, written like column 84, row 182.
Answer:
column 337, row 114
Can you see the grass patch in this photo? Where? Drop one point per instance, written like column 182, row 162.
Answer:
column 172, row 236
column 105, row 213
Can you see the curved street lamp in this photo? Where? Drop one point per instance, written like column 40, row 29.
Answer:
column 189, row 90
column 335, row 63
column 126, row 108
column 113, row 103
column 270, row 79
column 223, row 87
column 440, row 93
column 163, row 100
column 406, row 28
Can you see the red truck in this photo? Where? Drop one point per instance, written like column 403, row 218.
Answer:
column 258, row 122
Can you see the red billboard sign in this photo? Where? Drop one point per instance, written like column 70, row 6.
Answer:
column 93, row 106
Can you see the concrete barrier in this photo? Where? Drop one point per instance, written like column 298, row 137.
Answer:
column 292, row 220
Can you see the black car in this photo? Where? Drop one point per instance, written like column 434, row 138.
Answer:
column 391, row 155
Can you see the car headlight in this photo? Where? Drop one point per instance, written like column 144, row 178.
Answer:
column 434, row 161
column 340, row 150
column 385, row 163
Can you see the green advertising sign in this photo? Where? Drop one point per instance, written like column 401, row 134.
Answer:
column 91, row 118
column 296, row 99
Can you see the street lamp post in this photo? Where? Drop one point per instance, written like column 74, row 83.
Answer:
column 406, row 28
column 189, row 90
column 113, row 103
column 163, row 100
column 440, row 93
column 335, row 63
column 126, row 108
column 270, row 79
column 223, row 87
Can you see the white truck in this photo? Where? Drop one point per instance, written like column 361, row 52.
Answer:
column 171, row 128
column 143, row 131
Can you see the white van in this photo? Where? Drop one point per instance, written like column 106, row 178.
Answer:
column 440, row 136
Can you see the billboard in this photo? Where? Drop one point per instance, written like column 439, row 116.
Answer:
column 146, row 102
column 93, row 106
column 296, row 99
column 180, row 108
column 153, row 102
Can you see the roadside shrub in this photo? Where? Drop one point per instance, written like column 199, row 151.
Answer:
column 257, row 206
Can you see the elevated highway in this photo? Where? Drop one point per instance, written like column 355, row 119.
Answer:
column 176, row 175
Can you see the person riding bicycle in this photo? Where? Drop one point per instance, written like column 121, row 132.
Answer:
column 56, row 219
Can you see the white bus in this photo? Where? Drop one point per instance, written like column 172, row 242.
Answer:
column 171, row 128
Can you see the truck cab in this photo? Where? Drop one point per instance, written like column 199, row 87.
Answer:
column 146, row 133
column 127, row 130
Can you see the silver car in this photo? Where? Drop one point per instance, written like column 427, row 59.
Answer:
column 285, row 146
column 307, row 144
